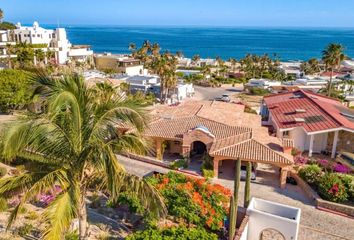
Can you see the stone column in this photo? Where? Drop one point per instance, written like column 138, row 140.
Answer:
column 158, row 149
column 311, row 145
column 282, row 177
column 216, row 167
column 186, row 151
column 334, row 146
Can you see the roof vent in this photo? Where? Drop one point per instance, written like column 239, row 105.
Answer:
column 296, row 96
column 348, row 115
column 300, row 110
column 299, row 120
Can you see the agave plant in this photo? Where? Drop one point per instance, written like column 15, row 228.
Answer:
column 74, row 139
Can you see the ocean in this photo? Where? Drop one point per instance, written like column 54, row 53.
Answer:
column 226, row 42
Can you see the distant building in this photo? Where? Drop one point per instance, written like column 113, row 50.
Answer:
column 121, row 64
column 4, row 42
column 52, row 40
column 262, row 83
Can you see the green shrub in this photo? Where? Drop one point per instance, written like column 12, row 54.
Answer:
column 179, row 163
column 348, row 181
column 31, row 215
column 173, row 233
column 3, row 204
column 331, row 187
column 208, row 173
column 310, row 173
column 132, row 201
column 73, row 235
column 3, row 171
column 257, row 91
column 95, row 201
column 24, row 229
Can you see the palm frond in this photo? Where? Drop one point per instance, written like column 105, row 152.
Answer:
column 60, row 213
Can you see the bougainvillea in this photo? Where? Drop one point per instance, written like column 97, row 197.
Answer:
column 339, row 168
column 193, row 200
column 301, row 160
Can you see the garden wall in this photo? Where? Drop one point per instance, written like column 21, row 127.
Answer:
column 321, row 203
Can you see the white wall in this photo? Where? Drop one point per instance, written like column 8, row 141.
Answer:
column 134, row 70
column 300, row 138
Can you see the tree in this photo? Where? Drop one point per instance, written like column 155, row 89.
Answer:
column 332, row 56
column 312, row 66
column 25, row 54
column 39, row 55
column 14, row 89
column 69, row 144
column 233, row 216
column 195, row 58
column 247, row 196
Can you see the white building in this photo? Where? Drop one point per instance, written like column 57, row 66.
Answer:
column 4, row 42
column 268, row 217
column 262, row 83
column 53, row 40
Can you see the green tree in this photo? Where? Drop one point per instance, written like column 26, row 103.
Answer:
column 14, row 89
column 234, row 206
column 25, row 54
column 74, row 140
column 332, row 56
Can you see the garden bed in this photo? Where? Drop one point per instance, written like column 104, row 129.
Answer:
column 329, row 184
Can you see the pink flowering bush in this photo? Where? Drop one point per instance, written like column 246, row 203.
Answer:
column 332, row 188
column 301, row 160
column 323, row 163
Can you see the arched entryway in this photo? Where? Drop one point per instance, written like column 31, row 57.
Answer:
column 198, row 148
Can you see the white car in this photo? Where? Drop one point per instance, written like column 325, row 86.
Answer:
column 244, row 172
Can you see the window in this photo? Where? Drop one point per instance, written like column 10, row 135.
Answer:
column 286, row 134
column 33, row 35
column 38, row 35
column 53, row 35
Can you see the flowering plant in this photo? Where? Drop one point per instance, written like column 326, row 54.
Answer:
column 193, row 200
column 339, row 168
column 301, row 160
column 323, row 163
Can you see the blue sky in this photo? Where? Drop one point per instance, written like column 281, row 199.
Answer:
column 308, row 13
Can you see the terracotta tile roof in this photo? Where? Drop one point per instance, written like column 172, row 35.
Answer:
column 174, row 128
column 311, row 111
column 253, row 150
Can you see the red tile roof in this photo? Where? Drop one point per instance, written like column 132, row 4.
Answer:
column 317, row 111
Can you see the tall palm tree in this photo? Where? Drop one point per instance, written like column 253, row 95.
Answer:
column 332, row 56
column 74, row 140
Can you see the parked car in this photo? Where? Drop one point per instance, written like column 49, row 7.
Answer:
column 244, row 172
column 223, row 98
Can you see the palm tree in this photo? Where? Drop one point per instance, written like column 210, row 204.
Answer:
column 195, row 58
column 332, row 56
column 74, row 140
column 179, row 54
column 1, row 15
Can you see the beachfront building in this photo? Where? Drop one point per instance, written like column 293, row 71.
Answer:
column 291, row 69
column 315, row 123
column 50, row 40
column 223, row 131
column 5, row 41
column 121, row 64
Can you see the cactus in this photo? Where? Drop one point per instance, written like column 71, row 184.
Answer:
column 247, row 185
column 234, row 201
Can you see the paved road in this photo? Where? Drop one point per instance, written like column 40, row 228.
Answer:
column 208, row 93
column 315, row 224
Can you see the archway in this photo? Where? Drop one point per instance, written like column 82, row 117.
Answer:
column 270, row 233
column 198, row 148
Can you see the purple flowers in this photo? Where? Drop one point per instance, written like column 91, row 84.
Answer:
column 301, row 160
column 339, row 168
column 323, row 163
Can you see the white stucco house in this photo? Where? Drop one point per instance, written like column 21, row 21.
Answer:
column 53, row 39
column 314, row 122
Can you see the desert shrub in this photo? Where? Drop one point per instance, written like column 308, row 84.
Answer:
column 208, row 173
column 3, row 204
column 310, row 173
column 179, row 163
column 248, row 109
column 95, row 201
column 3, row 171
column 31, row 215
column 173, row 233
column 331, row 187
column 258, row 91
column 24, row 229
column 73, row 235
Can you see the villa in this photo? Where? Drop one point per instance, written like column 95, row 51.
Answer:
column 53, row 40
column 222, row 130
column 313, row 122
